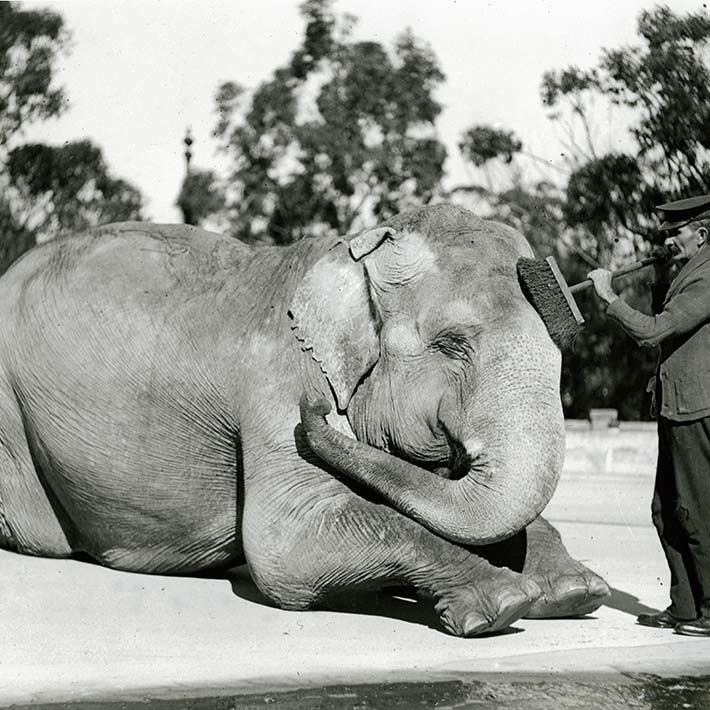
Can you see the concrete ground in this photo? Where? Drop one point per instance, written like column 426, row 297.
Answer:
column 71, row 630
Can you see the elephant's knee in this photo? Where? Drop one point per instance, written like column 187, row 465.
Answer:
column 274, row 567
column 287, row 592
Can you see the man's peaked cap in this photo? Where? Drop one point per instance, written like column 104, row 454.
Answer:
column 681, row 212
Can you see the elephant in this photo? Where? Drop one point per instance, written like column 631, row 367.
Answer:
column 341, row 414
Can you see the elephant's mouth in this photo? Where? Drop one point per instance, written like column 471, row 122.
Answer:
column 458, row 464
column 449, row 459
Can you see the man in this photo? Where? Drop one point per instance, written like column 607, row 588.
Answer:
column 681, row 500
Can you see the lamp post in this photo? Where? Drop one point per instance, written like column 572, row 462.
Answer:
column 188, row 152
column 184, row 202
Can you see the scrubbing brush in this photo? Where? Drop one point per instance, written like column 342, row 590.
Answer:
column 545, row 287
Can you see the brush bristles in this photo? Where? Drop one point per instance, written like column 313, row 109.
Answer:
column 545, row 294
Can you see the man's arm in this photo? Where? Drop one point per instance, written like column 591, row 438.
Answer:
column 683, row 313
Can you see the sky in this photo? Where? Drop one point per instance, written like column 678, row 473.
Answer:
column 139, row 72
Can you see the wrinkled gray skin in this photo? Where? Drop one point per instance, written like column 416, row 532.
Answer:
column 150, row 379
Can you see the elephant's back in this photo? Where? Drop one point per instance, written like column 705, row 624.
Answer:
column 128, row 279
column 117, row 260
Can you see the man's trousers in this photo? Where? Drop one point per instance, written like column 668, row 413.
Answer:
column 681, row 512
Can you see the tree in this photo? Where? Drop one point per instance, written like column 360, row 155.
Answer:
column 661, row 88
column 199, row 196
column 481, row 144
column 340, row 136
column 67, row 188
column 45, row 190
column 30, row 41
column 532, row 206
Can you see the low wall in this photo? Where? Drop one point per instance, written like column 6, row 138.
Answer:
column 627, row 449
column 608, row 475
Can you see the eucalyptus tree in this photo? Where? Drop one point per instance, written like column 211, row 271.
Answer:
column 45, row 189
column 599, row 209
column 342, row 134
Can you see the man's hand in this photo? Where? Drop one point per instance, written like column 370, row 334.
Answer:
column 602, row 284
column 664, row 253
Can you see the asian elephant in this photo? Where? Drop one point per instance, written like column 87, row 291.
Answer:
column 163, row 402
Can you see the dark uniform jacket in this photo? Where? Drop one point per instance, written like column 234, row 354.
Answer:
column 682, row 330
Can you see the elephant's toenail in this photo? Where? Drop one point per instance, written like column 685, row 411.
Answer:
column 475, row 624
column 531, row 590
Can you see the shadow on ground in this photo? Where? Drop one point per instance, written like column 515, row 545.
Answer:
column 397, row 603
column 628, row 603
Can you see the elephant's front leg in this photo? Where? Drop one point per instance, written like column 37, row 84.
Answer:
column 569, row 588
column 312, row 536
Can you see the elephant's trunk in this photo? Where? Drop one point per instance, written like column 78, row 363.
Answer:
column 513, row 439
column 512, row 432
column 505, row 491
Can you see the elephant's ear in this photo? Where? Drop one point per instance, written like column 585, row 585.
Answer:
column 365, row 242
column 333, row 316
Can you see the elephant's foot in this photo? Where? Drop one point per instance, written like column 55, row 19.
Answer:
column 490, row 606
column 575, row 593
column 569, row 588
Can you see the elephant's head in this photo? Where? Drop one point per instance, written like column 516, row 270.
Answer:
column 437, row 358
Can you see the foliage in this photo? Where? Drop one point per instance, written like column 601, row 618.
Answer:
column 664, row 86
column 67, row 188
column 604, row 208
column 15, row 239
column 199, row 196
column 479, row 144
column 30, row 41
column 341, row 135
column 45, row 190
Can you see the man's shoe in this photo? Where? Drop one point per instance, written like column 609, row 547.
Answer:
column 699, row 627
column 662, row 620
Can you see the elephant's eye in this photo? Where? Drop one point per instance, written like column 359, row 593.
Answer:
column 453, row 343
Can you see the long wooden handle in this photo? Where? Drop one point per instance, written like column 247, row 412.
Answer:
column 634, row 266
